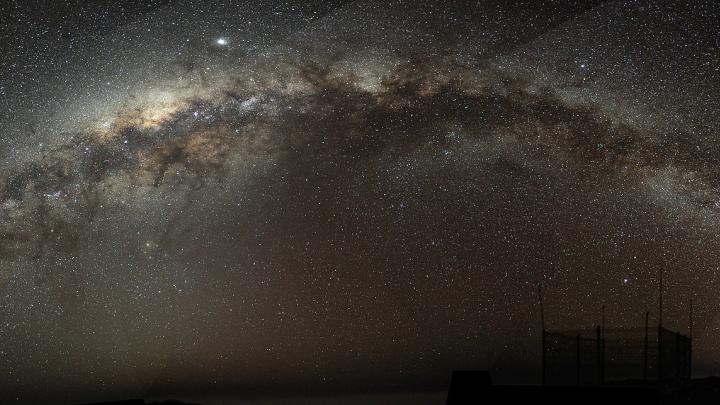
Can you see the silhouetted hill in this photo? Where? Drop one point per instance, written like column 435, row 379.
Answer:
column 142, row 402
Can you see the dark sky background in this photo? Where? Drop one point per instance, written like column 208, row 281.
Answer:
column 260, row 196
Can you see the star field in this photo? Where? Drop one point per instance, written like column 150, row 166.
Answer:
column 261, row 196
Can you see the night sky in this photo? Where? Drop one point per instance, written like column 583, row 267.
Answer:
column 273, row 196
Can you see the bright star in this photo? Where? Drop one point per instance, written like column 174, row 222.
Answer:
column 222, row 41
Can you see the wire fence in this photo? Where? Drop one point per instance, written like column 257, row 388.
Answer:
column 613, row 355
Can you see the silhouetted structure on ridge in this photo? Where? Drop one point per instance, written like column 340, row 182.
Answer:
column 615, row 355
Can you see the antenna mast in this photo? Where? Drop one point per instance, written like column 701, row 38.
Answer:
column 691, row 317
column 542, row 310
column 660, row 313
column 542, row 323
column 660, row 331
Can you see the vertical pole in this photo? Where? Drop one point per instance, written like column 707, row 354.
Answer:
column 599, row 360
column 542, row 310
column 678, row 375
column 543, row 359
column 660, row 356
column 691, row 317
column 686, row 359
column 645, row 366
column 660, row 300
column 689, row 343
column 577, row 358
column 660, row 318
column 690, row 359
column 602, row 355
column 602, row 346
